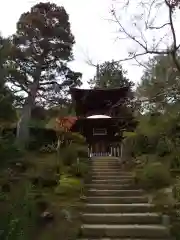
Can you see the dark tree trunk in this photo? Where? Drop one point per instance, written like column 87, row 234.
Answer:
column 22, row 135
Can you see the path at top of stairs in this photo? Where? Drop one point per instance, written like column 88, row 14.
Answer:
column 116, row 209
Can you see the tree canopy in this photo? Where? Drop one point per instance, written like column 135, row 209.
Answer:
column 110, row 74
column 159, row 85
column 38, row 62
column 7, row 111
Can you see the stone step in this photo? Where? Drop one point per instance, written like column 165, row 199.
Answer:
column 123, row 192
column 95, row 170
column 107, row 168
column 113, row 182
column 142, row 231
column 106, row 165
column 121, row 218
column 108, row 181
column 103, row 166
column 123, row 239
column 106, row 162
column 120, row 208
column 110, row 173
column 106, row 171
column 104, row 186
column 102, row 177
column 115, row 199
column 104, row 158
column 110, row 168
column 109, row 192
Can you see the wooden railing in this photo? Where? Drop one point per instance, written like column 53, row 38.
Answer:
column 114, row 152
column 99, row 154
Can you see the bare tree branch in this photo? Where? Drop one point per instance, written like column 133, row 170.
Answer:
column 21, row 86
column 171, row 24
column 159, row 27
column 140, row 39
column 122, row 29
column 90, row 62
column 131, row 37
column 132, row 56
column 149, row 14
column 174, row 53
column 48, row 83
column 140, row 63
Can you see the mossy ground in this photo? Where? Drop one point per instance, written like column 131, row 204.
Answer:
column 65, row 209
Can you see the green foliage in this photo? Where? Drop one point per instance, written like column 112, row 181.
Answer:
column 73, row 147
column 144, row 159
column 159, row 83
column 69, row 186
column 69, row 155
column 19, row 222
column 156, row 134
column 176, row 190
column 49, row 148
column 82, row 151
column 153, row 176
column 155, row 145
column 7, row 111
column 35, row 192
column 164, row 201
column 43, row 174
column 77, row 138
column 110, row 75
column 79, row 169
column 38, row 53
column 9, row 150
column 159, row 125
column 46, row 28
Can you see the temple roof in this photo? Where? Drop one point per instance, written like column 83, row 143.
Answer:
column 97, row 101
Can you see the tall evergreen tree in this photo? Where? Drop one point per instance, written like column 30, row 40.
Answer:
column 110, row 74
column 41, row 49
column 7, row 111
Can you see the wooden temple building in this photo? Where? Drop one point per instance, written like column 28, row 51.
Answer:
column 103, row 135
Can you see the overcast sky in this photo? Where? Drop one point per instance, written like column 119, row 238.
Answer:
column 95, row 36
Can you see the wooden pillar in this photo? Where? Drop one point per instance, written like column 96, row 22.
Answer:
column 91, row 150
column 103, row 150
column 121, row 151
column 95, row 148
column 89, row 154
column 114, row 151
column 118, row 151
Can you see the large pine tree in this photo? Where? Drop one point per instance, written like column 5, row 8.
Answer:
column 110, row 74
column 41, row 48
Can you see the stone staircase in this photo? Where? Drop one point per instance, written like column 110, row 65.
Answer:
column 115, row 209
